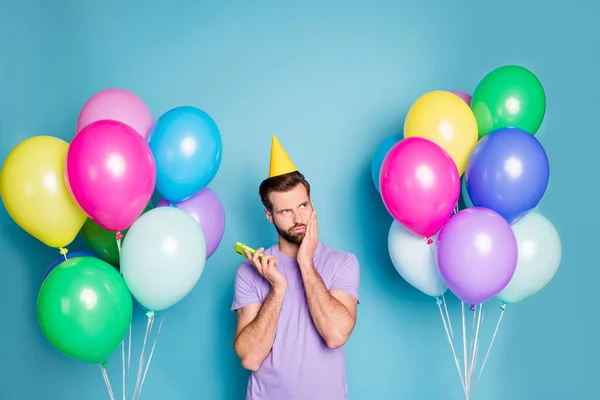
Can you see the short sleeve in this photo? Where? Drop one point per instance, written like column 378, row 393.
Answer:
column 245, row 290
column 347, row 277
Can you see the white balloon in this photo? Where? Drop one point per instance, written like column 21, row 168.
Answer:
column 540, row 255
column 162, row 257
column 415, row 260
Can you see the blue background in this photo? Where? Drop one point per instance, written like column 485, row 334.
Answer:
column 331, row 79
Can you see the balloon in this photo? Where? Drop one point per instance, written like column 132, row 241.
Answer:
column 384, row 147
column 34, row 192
column 540, row 254
column 64, row 258
column 464, row 96
column 111, row 173
column 104, row 242
column 84, row 309
column 118, row 105
column 447, row 120
column 476, row 254
column 206, row 208
column 163, row 257
column 509, row 96
column 508, row 172
column 187, row 146
column 465, row 194
column 419, row 185
column 414, row 259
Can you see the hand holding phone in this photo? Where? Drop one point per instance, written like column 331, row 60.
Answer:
column 266, row 266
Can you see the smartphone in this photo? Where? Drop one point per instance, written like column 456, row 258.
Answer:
column 240, row 247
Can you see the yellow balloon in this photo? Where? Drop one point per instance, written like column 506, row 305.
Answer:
column 34, row 192
column 445, row 119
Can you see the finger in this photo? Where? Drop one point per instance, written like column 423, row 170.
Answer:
column 255, row 259
column 265, row 261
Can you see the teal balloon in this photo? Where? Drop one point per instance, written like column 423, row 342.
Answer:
column 163, row 257
column 414, row 259
column 384, row 147
column 465, row 194
column 539, row 257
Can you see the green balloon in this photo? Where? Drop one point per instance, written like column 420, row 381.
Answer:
column 104, row 242
column 509, row 97
column 84, row 309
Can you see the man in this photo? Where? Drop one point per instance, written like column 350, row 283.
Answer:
column 296, row 304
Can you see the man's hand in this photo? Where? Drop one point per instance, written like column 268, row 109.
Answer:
column 266, row 267
column 310, row 242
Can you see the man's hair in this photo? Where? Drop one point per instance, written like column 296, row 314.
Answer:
column 280, row 183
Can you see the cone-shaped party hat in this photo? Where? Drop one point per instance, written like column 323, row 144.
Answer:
column 280, row 161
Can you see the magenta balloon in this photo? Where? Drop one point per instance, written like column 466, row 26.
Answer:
column 476, row 254
column 110, row 172
column 419, row 185
column 207, row 210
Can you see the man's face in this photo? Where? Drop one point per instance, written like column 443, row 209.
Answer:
column 291, row 212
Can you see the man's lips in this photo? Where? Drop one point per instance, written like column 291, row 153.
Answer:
column 299, row 229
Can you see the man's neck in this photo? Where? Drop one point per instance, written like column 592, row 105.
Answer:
column 287, row 249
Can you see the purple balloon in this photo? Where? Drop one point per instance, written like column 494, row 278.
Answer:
column 207, row 210
column 465, row 96
column 476, row 254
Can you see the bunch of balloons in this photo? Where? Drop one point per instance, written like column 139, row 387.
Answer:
column 498, row 245
column 101, row 184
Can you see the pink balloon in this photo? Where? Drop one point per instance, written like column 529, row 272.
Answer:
column 119, row 105
column 465, row 96
column 420, row 185
column 110, row 173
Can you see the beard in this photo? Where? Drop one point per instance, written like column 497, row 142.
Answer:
column 295, row 238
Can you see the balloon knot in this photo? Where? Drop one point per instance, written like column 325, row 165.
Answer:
column 429, row 240
column 173, row 205
column 63, row 251
column 150, row 314
column 503, row 306
column 472, row 308
column 119, row 235
column 438, row 301
column 103, row 364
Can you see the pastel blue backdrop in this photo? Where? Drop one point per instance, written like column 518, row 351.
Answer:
column 331, row 79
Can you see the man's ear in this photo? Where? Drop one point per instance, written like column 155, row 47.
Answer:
column 269, row 215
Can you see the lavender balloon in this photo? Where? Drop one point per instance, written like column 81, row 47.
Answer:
column 476, row 254
column 207, row 210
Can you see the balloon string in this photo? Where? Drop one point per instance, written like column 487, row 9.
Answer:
column 448, row 315
column 150, row 357
column 106, row 380
column 476, row 342
column 439, row 304
column 503, row 308
column 148, row 330
column 118, row 238
column 63, row 252
column 465, row 359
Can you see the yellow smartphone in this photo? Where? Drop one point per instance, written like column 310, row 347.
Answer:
column 241, row 247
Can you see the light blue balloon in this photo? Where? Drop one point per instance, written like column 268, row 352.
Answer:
column 384, row 147
column 414, row 259
column 187, row 148
column 163, row 257
column 539, row 257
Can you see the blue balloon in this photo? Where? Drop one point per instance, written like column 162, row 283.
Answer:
column 64, row 258
column 187, row 148
column 384, row 147
column 508, row 172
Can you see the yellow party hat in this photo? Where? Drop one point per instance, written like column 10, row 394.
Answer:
column 280, row 161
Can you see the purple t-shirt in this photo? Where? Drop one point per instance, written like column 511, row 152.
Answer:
column 299, row 366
